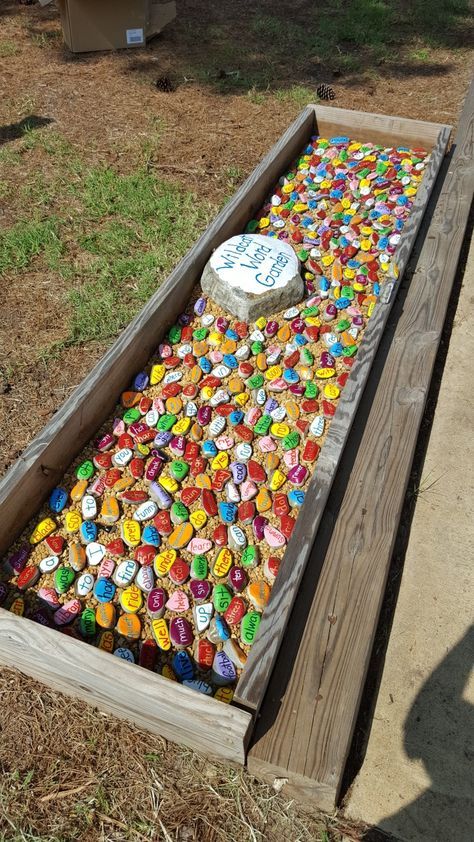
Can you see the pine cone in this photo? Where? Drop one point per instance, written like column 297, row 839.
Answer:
column 325, row 92
column 165, row 84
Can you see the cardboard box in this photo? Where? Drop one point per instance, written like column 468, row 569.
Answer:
column 90, row 25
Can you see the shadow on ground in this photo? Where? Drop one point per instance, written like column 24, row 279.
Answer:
column 440, row 715
column 243, row 46
column 16, row 130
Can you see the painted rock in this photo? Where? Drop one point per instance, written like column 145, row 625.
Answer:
column 181, row 633
column 42, row 530
column 125, row 654
column 28, row 577
column 202, row 615
column 104, row 590
column 131, row 599
column 235, row 653
column 249, row 627
column 129, row 626
column 223, row 670
column 178, row 602
column 68, row 612
column 204, row 652
column 155, row 603
column 200, row 590
column 84, row 585
column 105, row 615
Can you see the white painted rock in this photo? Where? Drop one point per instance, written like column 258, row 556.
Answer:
column 251, row 275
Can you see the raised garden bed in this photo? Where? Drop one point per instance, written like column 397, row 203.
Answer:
column 150, row 699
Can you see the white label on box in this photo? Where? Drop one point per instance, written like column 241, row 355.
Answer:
column 135, row 36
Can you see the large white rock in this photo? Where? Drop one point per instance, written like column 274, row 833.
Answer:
column 251, row 275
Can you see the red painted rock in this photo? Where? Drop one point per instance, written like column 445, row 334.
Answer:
column 116, row 547
column 236, row 610
column 287, row 524
column 280, row 505
column 179, row 572
column 148, row 654
column 55, row 543
column 209, row 502
column 204, row 654
column 220, row 478
column 220, row 535
column 145, row 554
column 255, row 471
column 162, row 521
column 190, row 494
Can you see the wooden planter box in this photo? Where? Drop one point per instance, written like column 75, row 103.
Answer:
column 126, row 690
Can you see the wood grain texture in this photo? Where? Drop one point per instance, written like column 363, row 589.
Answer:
column 256, row 674
column 37, row 471
column 125, row 690
column 378, row 128
column 307, row 720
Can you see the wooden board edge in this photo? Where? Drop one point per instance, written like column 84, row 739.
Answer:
column 254, row 679
column 29, row 480
column 125, row 690
column 314, row 794
column 400, row 128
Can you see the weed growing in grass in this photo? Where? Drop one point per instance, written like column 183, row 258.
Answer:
column 299, row 94
column 8, row 48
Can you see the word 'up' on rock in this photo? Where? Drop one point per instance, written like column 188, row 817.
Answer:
column 251, row 275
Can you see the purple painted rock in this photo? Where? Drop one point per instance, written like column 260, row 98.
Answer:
column 223, row 670
column 17, row 561
column 156, row 602
column 204, row 414
column 68, row 612
column 42, row 617
column 297, row 389
column 160, row 496
column 181, row 632
column 3, row 592
column 258, row 527
column 327, row 360
column 297, row 475
column 237, row 579
column 200, row 589
column 154, row 469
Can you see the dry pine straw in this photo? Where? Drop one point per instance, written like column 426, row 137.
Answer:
column 73, row 773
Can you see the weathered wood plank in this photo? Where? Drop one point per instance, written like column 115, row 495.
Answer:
column 255, row 676
column 28, row 482
column 378, row 128
column 125, row 690
column 309, row 713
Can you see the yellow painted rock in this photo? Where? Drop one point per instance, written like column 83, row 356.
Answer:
column 273, row 372
column 169, row 484
column 220, row 461
column 43, row 529
column 78, row 490
column 223, row 563
column 278, row 479
column 131, row 599
column 181, row 427
column 325, row 373
column 159, row 629
column 157, row 373
column 131, row 532
column 331, row 391
column 73, row 521
column 279, row 430
column 163, row 562
column 198, row 518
